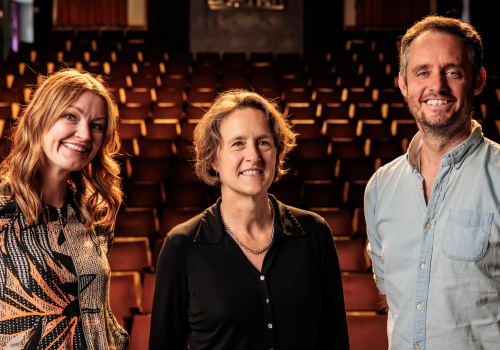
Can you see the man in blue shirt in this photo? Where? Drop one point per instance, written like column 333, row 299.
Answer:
column 433, row 215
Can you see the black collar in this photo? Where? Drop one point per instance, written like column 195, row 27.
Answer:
column 211, row 229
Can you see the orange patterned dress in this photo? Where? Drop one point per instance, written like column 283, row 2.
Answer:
column 39, row 286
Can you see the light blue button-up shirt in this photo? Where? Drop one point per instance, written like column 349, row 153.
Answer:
column 439, row 264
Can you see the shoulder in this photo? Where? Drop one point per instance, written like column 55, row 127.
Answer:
column 7, row 207
column 312, row 224
column 304, row 217
column 186, row 231
column 493, row 150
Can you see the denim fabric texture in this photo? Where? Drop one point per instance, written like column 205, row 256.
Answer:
column 439, row 264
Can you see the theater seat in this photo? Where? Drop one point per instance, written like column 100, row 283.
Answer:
column 130, row 254
column 150, row 169
column 351, row 254
column 125, row 294
column 316, row 169
column 367, row 331
column 321, row 195
column 188, row 195
column 143, row 195
column 339, row 221
column 139, row 336
column 148, row 288
column 173, row 217
column 136, row 222
column 360, row 292
column 157, row 249
column 356, row 193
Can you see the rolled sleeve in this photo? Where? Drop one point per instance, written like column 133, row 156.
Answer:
column 375, row 245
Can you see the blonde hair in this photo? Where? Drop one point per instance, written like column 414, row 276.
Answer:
column 207, row 138
column 97, row 187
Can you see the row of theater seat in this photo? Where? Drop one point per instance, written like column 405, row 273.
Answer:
column 346, row 107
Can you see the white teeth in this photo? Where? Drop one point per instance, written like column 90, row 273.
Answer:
column 75, row 147
column 251, row 172
column 436, row 102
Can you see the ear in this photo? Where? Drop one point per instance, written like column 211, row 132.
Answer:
column 215, row 164
column 402, row 85
column 480, row 81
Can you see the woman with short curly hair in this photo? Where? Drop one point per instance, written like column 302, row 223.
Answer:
column 249, row 272
column 60, row 195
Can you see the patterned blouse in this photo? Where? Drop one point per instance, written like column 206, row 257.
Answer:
column 39, row 288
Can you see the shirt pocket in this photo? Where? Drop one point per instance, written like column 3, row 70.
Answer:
column 466, row 234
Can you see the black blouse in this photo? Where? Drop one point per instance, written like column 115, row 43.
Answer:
column 209, row 295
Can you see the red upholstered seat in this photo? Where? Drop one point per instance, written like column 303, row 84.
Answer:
column 143, row 195
column 367, row 331
column 339, row 221
column 125, row 294
column 136, row 222
column 173, row 217
column 139, row 335
column 323, row 194
column 360, row 292
column 130, row 254
column 351, row 254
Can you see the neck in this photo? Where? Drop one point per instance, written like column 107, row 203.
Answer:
column 54, row 185
column 435, row 147
column 246, row 215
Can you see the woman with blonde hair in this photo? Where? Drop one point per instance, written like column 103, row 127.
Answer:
column 60, row 195
column 249, row 272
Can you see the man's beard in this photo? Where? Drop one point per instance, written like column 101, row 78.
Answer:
column 446, row 128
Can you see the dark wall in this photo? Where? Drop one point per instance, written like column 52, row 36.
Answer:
column 323, row 24
column 168, row 22
column 484, row 16
column 247, row 30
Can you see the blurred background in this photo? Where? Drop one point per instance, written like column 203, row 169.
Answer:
column 331, row 65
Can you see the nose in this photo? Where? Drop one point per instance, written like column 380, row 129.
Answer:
column 438, row 83
column 253, row 154
column 83, row 132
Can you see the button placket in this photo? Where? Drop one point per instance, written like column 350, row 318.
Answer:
column 268, row 314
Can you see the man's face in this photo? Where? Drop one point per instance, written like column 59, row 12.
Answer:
column 440, row 85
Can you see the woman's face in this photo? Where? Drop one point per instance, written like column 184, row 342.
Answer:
column 246, row 158
column 76, row 136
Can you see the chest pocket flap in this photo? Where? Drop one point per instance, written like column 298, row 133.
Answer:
column 466, row 234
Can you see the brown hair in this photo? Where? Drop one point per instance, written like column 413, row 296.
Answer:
column 207, row 138
column 97, row 187
column 464, row 31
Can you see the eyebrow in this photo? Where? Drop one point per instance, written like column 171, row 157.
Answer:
column 263, row 136
column 77, row 108
column 81, row 111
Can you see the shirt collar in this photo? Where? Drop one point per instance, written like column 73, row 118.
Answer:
column 211, row 229
column 456, row 155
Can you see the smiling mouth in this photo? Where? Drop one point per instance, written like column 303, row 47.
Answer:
column 437, row 102
column 252, row 172
column 74, row 147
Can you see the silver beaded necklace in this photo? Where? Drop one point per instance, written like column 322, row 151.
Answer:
column 241, row 244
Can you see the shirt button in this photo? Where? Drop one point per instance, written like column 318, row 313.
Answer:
column 420, row 187
column 457, row 165
column 262, row 278
column 420, row 307
column 423, row 266
column 267, row 301
column 428, row 225
column 417, row 347
column 270, row 325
